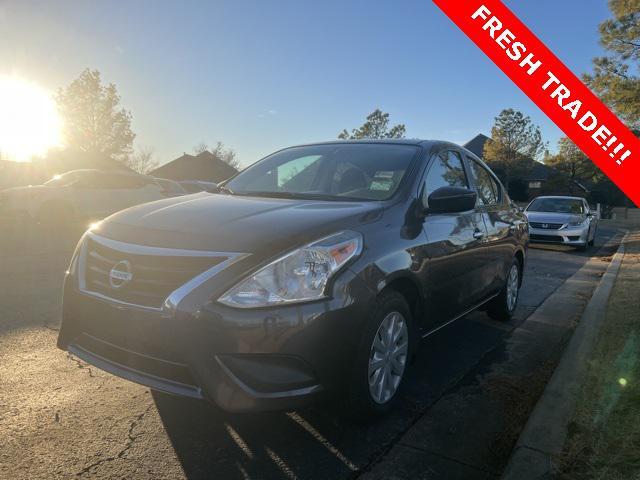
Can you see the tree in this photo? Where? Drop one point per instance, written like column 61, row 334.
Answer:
column 227, row 155
column 615, row 79
column 515, row 142
column 93, row 121
column 142, row 161
column 571, row 161
column 376, row 126
column 200, row 148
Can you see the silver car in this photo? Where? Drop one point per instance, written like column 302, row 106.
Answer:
column 565, row 220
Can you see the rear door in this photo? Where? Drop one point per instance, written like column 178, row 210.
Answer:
column 454, row 243
column 127, row 190
column 499, row 220
column 92, row 196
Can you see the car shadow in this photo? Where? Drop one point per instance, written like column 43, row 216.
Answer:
column 322, row 441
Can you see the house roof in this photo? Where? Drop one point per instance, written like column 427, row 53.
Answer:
column 476, row 145
column 541, row 172
column 204, row 166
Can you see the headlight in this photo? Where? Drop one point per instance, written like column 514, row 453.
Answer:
column 579, row 223
column 298, row 276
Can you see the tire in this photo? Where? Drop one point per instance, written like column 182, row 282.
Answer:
column 373, row 391
column 593, row 240
column 502, row 307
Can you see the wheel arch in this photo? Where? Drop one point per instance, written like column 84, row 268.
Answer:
column 410, row 289
column 520, row 256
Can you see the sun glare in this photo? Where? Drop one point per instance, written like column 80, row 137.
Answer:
column 29, row 121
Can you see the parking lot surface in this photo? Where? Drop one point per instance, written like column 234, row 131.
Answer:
column 61, row 418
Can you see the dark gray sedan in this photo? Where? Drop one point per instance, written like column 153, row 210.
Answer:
column 314, row 272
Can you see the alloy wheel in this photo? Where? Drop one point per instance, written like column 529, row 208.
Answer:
column 388, row 357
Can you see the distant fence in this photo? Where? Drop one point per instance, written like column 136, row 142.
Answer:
column 629, row 216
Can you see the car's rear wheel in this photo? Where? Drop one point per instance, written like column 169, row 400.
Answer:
column 504, row 305
column 382, row 358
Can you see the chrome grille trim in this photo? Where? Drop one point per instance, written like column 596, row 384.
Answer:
column 549, row 225
column 175, row 297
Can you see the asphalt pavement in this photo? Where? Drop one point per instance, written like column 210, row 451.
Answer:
column 60, row 418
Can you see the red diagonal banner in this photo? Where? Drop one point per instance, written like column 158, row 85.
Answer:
column 551, row 85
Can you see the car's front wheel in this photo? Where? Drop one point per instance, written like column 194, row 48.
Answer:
column 382, row 358
column 504, row 305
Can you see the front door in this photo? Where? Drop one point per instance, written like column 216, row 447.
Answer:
column 455, row 245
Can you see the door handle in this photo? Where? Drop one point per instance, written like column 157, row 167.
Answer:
column 478, row 234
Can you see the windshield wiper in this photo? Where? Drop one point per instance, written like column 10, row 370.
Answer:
column 224, row 189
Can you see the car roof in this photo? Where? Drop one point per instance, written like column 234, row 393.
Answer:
column 427, row 144
column 197, row 182
column 165, row 180
column 110, row 172
column 398, row 141
column 564, row 197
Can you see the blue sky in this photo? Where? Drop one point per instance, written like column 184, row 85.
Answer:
column 260, row 75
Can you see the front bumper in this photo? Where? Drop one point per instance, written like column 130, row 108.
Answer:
column 566, row 236
column 242, row 360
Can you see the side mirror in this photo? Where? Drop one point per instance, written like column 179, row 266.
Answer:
column 451, row 200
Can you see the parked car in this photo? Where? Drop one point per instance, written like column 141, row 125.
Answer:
column 170, row 188
column 195, row 186
column 565, row 220
column 80, row 194
column 314, row 272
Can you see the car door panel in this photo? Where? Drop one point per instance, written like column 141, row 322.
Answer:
column 454, row 246
column 499, row 222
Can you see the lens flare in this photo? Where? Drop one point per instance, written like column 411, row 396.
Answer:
column 29, row 120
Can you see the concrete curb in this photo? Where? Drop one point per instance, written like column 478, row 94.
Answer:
column 543, row 436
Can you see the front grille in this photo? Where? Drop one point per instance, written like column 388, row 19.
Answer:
column 546, row 226
column 152, row 277
column 546, row 238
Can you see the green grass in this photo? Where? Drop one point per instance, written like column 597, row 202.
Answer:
column 604, row 436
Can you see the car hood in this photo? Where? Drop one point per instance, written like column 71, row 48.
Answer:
column 550, row 217
column 231, row 223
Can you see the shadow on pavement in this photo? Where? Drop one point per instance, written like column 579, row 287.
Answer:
column 318, row 442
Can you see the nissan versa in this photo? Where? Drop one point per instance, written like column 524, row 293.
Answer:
column 315, row 272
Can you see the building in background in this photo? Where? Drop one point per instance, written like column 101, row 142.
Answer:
column 538, row 179
column 204, row 166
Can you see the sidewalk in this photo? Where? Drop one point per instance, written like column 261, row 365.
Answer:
column 572, row 432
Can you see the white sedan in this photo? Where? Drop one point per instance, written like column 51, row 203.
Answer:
column 80, row 195
column 565, row 220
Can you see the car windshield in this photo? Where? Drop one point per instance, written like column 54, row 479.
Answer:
column 332, row 172
column 557, row 205
column 62, row 180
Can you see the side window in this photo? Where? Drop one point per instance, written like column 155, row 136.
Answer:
column 129, row 181
column 446, row 170
column 486, row 187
